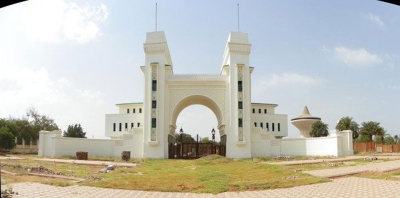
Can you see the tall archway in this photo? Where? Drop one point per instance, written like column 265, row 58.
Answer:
column 196, row 100
column 198, row 121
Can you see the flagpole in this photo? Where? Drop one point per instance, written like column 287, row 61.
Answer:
column 156, row 17
column 238, row 17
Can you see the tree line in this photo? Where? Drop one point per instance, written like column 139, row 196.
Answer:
column 27, row 128
column 368, row 131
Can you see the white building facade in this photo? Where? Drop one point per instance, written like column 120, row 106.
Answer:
column 227, row 95
column 147, row 128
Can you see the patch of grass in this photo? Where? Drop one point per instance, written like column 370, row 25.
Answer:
column 211, row 174
column 391, row 175
column 9, row 179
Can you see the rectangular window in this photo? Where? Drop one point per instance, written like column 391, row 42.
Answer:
column 140, row 110
column 153, row 104
column 240, row 105
column 114, row 126
column 154, row 85
column 240, row 122
column 254, row 110
column 134, row 110
column 127, row 110
column 273, row 126
column 265, row 111
column 255, row 124
column 259, row 110
column 261, row 125
column 138, row 124
column 279, row 126
column 240, row 86
column 132, row 125
column 267, row 126
column 126, row 126
column 120, row 126
column 153, row 122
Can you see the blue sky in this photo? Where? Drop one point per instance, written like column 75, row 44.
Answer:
column 74, row 60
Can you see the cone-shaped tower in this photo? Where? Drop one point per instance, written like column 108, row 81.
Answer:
column 304, row 122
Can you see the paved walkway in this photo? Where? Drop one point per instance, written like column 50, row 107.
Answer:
column 350, row 170
column 340, row 159
column 344, row 187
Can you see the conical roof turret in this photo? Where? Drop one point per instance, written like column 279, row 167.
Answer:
column 306, row 115
column 303, row 122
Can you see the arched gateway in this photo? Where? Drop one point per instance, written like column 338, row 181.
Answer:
column 247, row 129
column 227, row 95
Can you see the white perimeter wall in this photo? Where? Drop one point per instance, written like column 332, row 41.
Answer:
column 51, row 143
column 338, row 143
column 263, row 144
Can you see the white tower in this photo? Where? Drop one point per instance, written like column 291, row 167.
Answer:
column 235, row 65
column 158, row 64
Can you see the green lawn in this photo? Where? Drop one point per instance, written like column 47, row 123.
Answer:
column 212, row 174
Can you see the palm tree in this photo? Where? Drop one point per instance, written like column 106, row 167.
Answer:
column 371, row 128
column 319, row 129
column 347, row 123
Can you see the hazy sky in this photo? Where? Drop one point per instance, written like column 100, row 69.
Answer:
column 74, row 60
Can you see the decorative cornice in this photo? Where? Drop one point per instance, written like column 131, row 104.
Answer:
column 155, row 47
column 239, row 48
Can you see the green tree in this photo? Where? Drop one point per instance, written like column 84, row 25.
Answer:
column 40, row 122
column 389, row 139
column 186, row 138
column 75, row 131
column 396, row 138
column 363, row 138
column 371, row 128
column 319, row 129
column 206, row 140
column 22, row 129
column 7, row 140
column 347, row 123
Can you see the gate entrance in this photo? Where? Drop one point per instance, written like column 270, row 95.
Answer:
column 194, row 150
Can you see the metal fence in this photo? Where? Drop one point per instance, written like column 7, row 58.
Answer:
column 195, row 150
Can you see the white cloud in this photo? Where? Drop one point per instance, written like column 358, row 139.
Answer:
column 55, row 20
column 24, row 87
column 356, row 57
column 287, row 79
column 91, row 96
column 376, row 19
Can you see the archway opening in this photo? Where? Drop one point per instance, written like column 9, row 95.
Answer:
column 198, row 120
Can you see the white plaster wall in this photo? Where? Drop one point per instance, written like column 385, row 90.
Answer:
column 52, row 144
column 122, row 108
column 270, row 107
column 339, row 143
column 121, row 118
column 347, row 143
column 272, row 118
column 94, row 147
column 46, row 143
column 261, row 142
